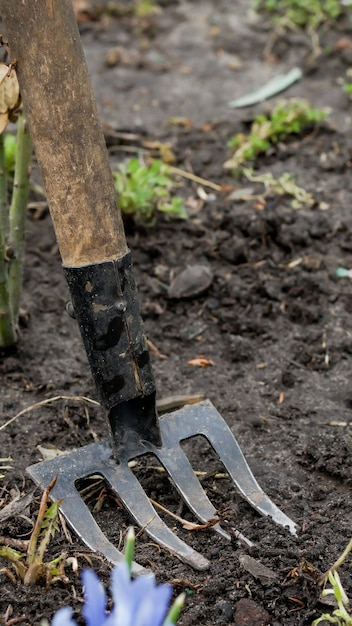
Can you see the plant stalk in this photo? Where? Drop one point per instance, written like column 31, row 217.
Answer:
column 17, row 215
column 7, row 329
column 4, row 208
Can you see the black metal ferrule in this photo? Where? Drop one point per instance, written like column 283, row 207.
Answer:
column 105, row 303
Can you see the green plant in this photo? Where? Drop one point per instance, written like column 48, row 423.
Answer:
column 287, row 118
column 310, row 14
column 30, row 566
column 145, row 189
column 15, row 158
column 343, row 614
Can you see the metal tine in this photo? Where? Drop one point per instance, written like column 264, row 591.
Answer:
column 83, row 523
column 187, row 484
column 94, row 459
column 68, row 469
column 123, row 481
column 190, row 489
column 204, row 419
column 182, row 474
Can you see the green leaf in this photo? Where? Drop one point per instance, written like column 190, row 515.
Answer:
column 287, row 118
column 145, row 189
column 11, row 554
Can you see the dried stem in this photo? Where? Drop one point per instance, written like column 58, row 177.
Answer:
column 33, row 542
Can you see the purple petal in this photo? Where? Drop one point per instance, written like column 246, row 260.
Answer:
column 123, row 596
column 143, row 586
column 94, row 609
column 120, row 580
column 63, row 617
column 139, row 602
column 153, row 607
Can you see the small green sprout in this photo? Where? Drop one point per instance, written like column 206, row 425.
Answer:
column 293, row 14
column 342, row 616
column 287, row 118
column 145, row 189
column 129, row 548
column 177, row 605
column 30, row 566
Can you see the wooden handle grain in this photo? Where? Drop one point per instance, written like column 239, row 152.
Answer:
column 63, row 120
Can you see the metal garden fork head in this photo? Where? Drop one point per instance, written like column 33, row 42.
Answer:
column 71, row 152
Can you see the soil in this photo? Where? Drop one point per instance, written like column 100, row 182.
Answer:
column 275, row 321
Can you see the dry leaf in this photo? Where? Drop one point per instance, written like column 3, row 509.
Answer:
column 260, row 204
column 201, row 361
column 16, row 506
column 258, row 570
column 50, row 453
column 9, row 94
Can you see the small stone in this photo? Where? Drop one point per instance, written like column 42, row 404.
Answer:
column 224, row 610
column 193, row 281
column 248, row 613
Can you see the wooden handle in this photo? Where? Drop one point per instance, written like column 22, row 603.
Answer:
column 63, row 120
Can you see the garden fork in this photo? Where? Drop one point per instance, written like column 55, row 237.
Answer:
column 70, row 148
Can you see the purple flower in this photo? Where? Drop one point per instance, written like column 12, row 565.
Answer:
column 139, row 602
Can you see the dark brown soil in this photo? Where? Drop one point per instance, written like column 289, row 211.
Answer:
column 275, row 321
